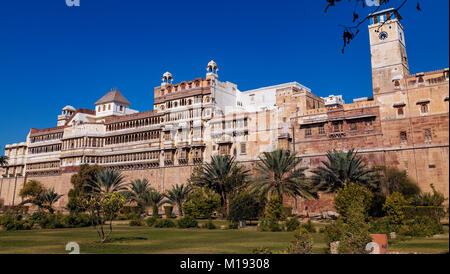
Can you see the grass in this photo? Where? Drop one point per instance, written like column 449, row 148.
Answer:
column 126, row 239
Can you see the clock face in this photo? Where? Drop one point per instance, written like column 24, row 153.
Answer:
column 383, row 35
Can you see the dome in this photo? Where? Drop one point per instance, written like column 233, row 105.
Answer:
column 68, row 107
column 212, row 66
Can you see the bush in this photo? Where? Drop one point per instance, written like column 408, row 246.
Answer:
column 187, row 222
column 136, row 222
column 245, row 206
column 274, row 209
column 168, row 211
column 76, row 220
column 309, row 226
column 351, row 196
column 210, row 225
column 302, row 244
column 261, row 250
column 37, row 216
column 201, row 203
column 292, row 224
column 233, row 225
column 383, row 226
column 164, row 223
column 394, row 207
column 15, row 222
column 135, row 210
column 287, row 211
column 51, row 221
column 269, row 224
column 421, row 226
column 151, row 221
column 132, row 216
column 332, row 233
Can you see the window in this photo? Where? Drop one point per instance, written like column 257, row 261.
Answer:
column 400, row 111
column 109, row 107
column 284, row 119
column 121, row 108
column 427, row 135
column 420, row 79
column 321, row 130
column 424, row 108
column 308, row 132
column 243, row 148
column 104, row 107
column 337, row 126
column 403, row 137
column 353, row 126
column 99, row 109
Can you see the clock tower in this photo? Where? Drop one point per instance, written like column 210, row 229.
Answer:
column 387, row 49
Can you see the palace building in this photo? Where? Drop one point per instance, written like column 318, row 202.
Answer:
column 405, row 124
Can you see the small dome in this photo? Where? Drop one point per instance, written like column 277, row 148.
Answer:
column 68, row 107
column 212, row 66
column 167, row 76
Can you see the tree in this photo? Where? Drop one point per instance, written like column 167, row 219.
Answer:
column 138, row 191
column 279, row 175
column 81, row 186
column 35, row 193
column 434, row 199
column 31, row 189
column 341, row 169
column 201, row 203
column 108, row 181
column 103, row 207
column 49, row 197
column 154, row 199
column 393, row 180
column 3, row 161
column 223, row 175
column 351, row 31
column 177, row 195
column 245, row 206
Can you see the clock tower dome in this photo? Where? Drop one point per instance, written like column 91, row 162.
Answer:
column 387, row 49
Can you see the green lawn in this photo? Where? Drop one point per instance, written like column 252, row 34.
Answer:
column 128, row 239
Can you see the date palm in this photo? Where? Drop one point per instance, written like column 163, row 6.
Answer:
column 223, row 175
column 49, row 197
column 3, row 161
column 341, row 169
column 108, row 181
column 177, row 195
column 154, row 199
column 278, row 174
column 138, row 190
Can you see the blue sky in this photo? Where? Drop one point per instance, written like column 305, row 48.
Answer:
column 52, row 55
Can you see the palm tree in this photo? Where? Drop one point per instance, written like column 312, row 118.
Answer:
column 278, row 175
column 137, row 192
column 223, row 175
column 177, row 195
column 155, row 199
column 49, row 197
column 341, row 169
column 108, row 181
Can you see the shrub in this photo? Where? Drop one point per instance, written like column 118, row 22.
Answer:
column 245, row 206
column 233, row 225
column 130, row 209
column 201, row 203
column 210, row 225
column 383, row 226
column 15, row 222
column 164, row 223
column 151, row 221
column 168, row 211
column 302, row 244
column 292, row 224
column 51, row 221
column 287, row 211
column 351, row 196
column 394, row 207
column 136, row 222
column 332, row 233
column 309, row 226
column 37, row 216
column 187, row 222
column 261, row 250
column 421, row 226
column 269, row 224
column 132, row 216
column 274, row 209
column 76, row 220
